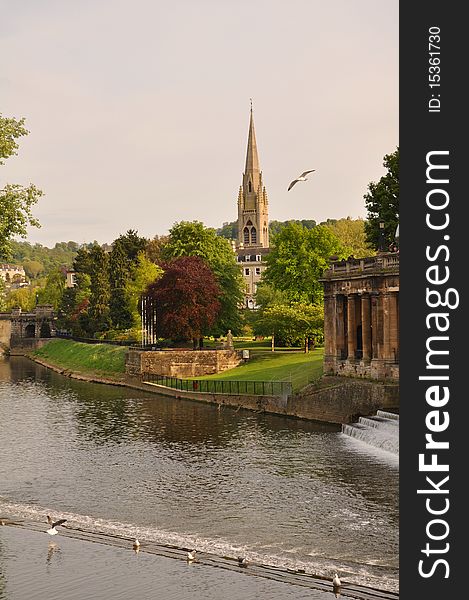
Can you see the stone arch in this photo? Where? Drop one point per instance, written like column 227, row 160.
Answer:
column 30, row 330
column 246, row 235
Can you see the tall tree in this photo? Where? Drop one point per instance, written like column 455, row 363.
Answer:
column 53, row 291
column 119, row 273
column 193, row 239
column 100, row 292
column 382, row 204
column 298, row 260
column 16, row 201
column 186, row 299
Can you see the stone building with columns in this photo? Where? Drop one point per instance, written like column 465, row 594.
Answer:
column 361, row 317
column 252, row 244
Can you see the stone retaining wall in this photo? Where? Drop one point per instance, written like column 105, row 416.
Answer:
column 180, row 363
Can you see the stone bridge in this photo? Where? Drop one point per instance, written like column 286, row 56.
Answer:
column 26, row 330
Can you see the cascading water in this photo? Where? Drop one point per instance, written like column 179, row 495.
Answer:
column 380, row 431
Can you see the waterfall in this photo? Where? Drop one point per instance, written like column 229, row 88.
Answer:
column 380, row 431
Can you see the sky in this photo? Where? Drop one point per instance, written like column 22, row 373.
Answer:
column 138, row 111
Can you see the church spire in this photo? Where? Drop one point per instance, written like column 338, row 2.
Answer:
column 252, row 159
column 252, row 200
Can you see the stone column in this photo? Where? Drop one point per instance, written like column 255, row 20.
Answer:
column 351, row 327
column 329, row 325
column 374, row 326
column 339, row 326
column 394, row 326
column 387, row 355
column 366, row 326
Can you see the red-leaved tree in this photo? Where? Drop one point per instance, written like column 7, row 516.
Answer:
column 186, row 298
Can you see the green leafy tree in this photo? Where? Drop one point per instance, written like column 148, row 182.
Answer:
column 351, row 233
column 382, row 204
column 298, row 260
column 16, row 201
column 33, row 268
column 53, row 291
column 186, row 299
column 98, row 310
column 292, row 324
column 119, row 273
column 24, row 298
column 193, row 239
column 144, row 273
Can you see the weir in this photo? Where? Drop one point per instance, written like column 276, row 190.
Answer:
column 380, row 431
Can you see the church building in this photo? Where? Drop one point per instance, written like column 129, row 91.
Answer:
column 252, row 244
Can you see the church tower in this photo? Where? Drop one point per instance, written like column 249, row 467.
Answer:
column 253, row 206
column 252, row 244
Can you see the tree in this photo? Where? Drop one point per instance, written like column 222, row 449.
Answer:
column 382, row 203
column 132, row 244
column 145, row 273
column 119, row 273
column 15, row 200
column 53, row 291
column 32, row 268
column 193, row 239
column 291, row 324
column 298, row 260
column 186, row 299
column 351, row 233
column 100, row 293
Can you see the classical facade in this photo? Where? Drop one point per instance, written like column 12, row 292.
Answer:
column 361, row 317
column 252, row 244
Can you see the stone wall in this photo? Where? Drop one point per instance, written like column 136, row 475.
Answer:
column 5, row 332
column 337, row 400
column 181, row 363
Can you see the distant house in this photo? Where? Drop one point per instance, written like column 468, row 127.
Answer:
column 12, row 274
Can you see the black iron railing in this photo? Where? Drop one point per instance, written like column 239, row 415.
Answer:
column 222, row 386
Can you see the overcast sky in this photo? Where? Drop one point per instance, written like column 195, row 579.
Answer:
column 138, row 110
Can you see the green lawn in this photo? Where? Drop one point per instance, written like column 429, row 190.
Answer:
column 92, row 359
column 297, row 367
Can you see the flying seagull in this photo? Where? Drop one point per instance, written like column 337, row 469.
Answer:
column 302, row 177
column 53, row 525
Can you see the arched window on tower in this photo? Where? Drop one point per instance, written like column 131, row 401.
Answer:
column 249, row 187
column 253, row 236
column 246, row 235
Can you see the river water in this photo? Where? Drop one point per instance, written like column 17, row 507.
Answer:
column 279, row 491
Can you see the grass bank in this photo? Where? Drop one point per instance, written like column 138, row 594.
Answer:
column 298, row 367
column 103, row 360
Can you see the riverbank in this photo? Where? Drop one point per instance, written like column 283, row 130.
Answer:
column 333, row 400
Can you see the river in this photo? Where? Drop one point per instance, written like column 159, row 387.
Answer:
column 283, row 492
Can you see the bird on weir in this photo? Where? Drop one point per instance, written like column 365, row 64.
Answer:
column 302, row 177
column 242, row 562
column 136, row 546
column 336, row 581
column 191, row 555
column 54, row 524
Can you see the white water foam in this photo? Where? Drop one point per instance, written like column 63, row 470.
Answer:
column 356, row 573
column 377, row 435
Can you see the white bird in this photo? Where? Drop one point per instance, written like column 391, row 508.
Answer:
column 53, row 525
column 302, row 177
column 191, row 555
column 242, row 562
column 136, row 546
column 336, row 581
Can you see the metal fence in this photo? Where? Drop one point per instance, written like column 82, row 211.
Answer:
column 222, row 386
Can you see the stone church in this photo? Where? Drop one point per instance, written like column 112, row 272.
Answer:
column 252, row 244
